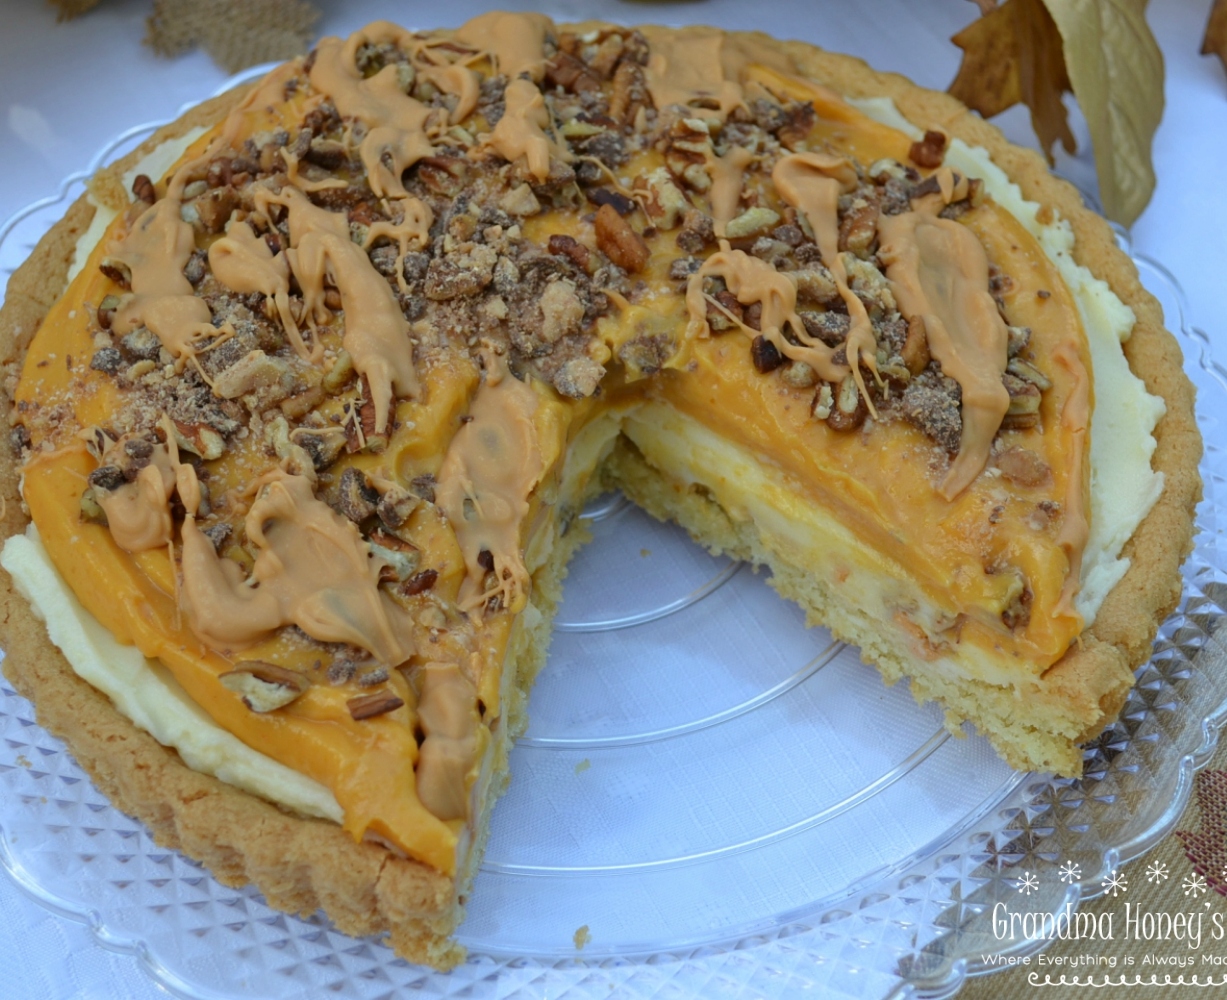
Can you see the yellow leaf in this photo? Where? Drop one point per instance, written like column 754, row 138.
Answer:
column 1116, row 69
column 1011, row 54
column 1215, row 42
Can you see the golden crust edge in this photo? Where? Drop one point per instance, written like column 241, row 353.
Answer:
column 303, row 864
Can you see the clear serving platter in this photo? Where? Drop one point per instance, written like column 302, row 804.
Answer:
column 711, row 799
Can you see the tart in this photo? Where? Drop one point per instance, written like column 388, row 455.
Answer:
column 308, row 392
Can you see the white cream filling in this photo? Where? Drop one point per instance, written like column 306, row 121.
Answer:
column 1123, row 486
column 147, row 693
column 1123, row 489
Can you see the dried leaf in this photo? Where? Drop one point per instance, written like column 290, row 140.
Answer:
column 236, row 33
column 1116, row 69
column 66, row 10
column 1011, row 54
column 1035, row 50
column 1215, row 42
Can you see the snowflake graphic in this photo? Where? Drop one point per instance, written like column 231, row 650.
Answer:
column 1028, row 884
column 1157, row 872
column 1115, row 884
column 1070, row 872
column 1193, row 884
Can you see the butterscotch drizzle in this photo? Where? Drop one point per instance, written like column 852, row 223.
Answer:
column 686, row 67
column 376, row 332
column 244, row 263
column 313, row 569
column 138, row 513
column 488, row 474
column 521, row 130
column 938, row 271
column 514, row 41
column 397, row 124
column 812, row 183
column 155, row 251
column 726, row 173
column 753, row 280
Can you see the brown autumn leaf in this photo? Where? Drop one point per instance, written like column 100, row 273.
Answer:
column 1034, row 51
column 1116, row 69
column 1215, row 42
column 1013, row 53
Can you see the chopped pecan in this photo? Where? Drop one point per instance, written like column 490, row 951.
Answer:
column 214, row 208
column 752, row 222
column 629, row 94
column 1029, row 373
column 725, row 312
column 1023, row 467
column 395, row 505
column 368, row 706
column 569, row 73
column 799, row 375
column 698, row 230
column 1025, row 399
column 420, row 582
column 664, row 202
column 929, row 151
column 619, row 242
column 143, row 188
column 859, row 229
column 106, row 311
column 107, row 477
column 849, row 409
column 264, row 687
column 356, row 498
column 117, row 271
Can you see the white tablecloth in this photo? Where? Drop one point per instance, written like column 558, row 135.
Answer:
column 65, row 89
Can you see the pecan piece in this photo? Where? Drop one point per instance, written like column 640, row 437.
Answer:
column 356, row 498
column 1025, row 401
column 1023, row 467
column 368, row 706
column 929, row 151
column 619, row 242
column 117, row 271
column 142, row 187
column 569, row 73
column 264, row 687
column 849, row 408
column 420, row 582
column 765, row 355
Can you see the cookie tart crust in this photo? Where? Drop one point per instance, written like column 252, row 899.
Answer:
column 307, row 392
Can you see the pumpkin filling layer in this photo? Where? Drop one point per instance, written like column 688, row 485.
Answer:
column 309, row 400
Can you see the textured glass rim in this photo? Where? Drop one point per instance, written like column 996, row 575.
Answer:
column 938, row 986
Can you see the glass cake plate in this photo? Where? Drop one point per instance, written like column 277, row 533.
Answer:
column 711, row 799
